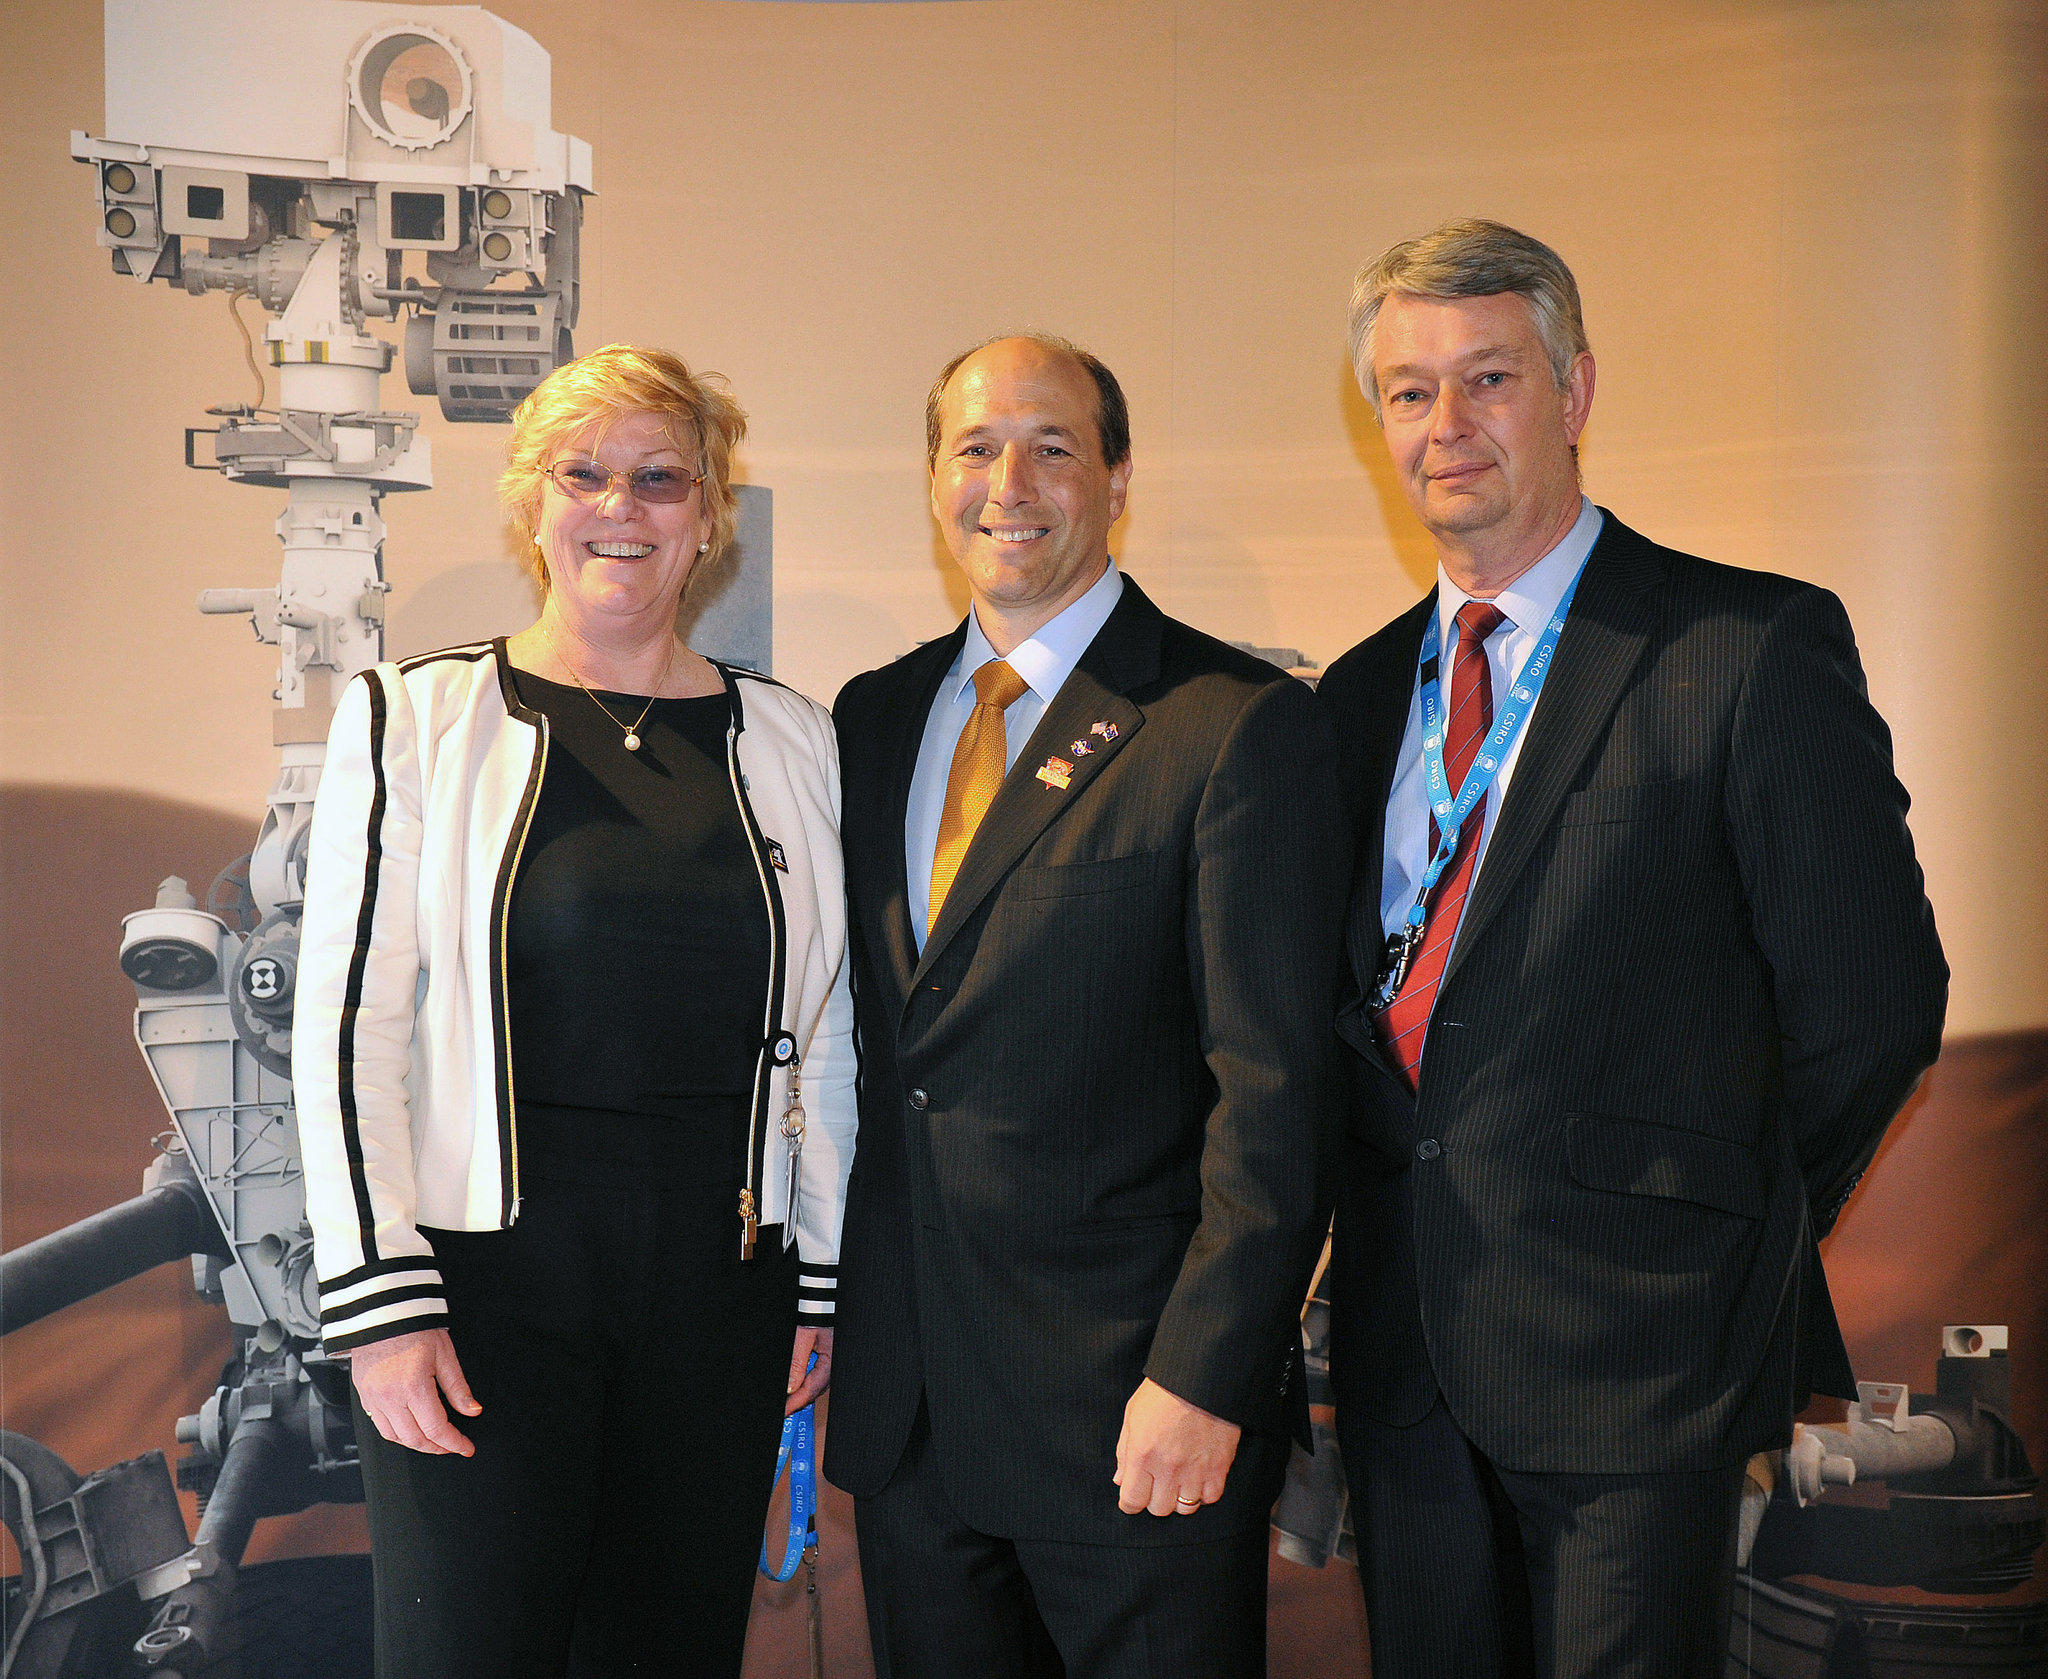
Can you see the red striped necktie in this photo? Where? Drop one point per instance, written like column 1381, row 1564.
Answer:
column 1404, row 1023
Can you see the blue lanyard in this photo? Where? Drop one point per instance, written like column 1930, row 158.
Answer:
column 798, row 1452
column 1451, row 813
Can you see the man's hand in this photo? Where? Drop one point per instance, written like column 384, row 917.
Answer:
column 805, row 1388
column 401, row 1382
column 1172, row 1457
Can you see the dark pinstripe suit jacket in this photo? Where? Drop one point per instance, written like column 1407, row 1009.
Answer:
column 1696, row 977
column 1097, row 1115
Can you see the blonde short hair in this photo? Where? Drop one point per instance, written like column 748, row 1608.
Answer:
column 601, row 389
column 1471, row 258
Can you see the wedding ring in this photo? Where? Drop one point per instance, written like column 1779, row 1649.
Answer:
column 1189, row 1503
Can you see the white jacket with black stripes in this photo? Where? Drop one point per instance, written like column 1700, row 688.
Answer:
column 401, row 1064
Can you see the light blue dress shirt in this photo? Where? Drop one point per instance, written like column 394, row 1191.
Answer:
column 1045, row 661
column 1528, row 602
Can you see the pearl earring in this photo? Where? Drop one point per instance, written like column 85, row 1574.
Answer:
column 703, row 547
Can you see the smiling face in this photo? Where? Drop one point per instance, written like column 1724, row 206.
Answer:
column 1480, row 435
column 619, row 558
column 1020, row 489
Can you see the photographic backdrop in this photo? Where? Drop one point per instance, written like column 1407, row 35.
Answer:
column 1808, row 238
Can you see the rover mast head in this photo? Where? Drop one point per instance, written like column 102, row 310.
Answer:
column 242, row 135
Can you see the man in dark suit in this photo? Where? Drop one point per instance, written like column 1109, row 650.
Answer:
column 1097, row 864
column 1622, row 1046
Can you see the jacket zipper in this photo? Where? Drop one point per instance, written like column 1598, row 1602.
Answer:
column 749, row 1209
column 505, row 965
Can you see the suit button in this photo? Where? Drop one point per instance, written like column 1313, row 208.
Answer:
column 919, row 1100
column 1428, row 1149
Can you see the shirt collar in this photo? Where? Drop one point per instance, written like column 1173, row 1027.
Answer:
column 1048, row 656
column 1532, row 597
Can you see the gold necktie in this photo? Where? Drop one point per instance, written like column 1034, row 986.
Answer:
column 977, row 774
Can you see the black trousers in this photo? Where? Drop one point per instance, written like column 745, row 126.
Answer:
column 946, row 1601
column 631, row 1371
column 1471, row 1570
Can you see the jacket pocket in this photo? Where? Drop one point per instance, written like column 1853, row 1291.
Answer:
column 1633, row 802
column 1103, row 874
column 1637, row 1157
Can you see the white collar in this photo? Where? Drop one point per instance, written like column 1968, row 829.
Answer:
column 1048, row 656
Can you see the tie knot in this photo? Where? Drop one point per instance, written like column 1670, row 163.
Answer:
column 1478, row 619
column 998, row 685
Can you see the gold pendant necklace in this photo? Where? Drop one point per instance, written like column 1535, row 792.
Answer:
column 632, row 729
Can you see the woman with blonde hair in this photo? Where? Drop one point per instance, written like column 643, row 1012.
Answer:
column 574, row 1073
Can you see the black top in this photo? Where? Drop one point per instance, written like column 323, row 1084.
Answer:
column 637, row 939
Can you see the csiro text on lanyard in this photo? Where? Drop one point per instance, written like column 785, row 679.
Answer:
column 798, row 1452
column 1451, row 811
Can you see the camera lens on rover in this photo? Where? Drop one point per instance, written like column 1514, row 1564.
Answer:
column 497, row 247
column 410, row 86
column 121, row 223
column 120, row 178
column 419, row 215
column 497, row 205
column 168, row 964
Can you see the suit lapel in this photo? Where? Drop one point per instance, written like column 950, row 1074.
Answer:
column 1612, row 617
column 1124, row 654
column 1377, row 763
column 898, row 934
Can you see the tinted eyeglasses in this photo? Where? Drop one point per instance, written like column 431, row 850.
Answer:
column 589, row 480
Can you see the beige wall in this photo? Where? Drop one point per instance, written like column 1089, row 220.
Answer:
column 1809, row 237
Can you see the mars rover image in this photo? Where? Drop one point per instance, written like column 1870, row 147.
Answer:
column 334, row 164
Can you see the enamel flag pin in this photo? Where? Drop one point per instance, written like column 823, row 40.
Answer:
column 1056, row 773
column 1106, row 730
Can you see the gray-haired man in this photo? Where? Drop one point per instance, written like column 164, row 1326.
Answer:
column 1640, row 970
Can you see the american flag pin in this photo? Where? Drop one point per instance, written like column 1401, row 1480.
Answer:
column 1081, row 748
column 1056, row 773
column 1106, row 730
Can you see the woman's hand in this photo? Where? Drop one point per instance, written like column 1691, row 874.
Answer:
column 401, row 1382
column 804, row 1388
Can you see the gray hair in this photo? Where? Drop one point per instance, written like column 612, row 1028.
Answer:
column 1471, row 258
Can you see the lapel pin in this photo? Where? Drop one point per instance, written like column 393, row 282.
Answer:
column 1056, row 773
column 1106, row 730
column 1081, row 748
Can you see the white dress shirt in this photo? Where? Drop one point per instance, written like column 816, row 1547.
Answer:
column 1528, row 603
column 1045, row 661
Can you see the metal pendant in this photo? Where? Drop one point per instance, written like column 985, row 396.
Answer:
column 632, row 741
column 1395, row 962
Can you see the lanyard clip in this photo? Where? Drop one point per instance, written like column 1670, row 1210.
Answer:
column 1395, row 962
column 791, row 1124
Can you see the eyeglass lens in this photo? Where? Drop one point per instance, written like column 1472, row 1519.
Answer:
column 590, row 480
